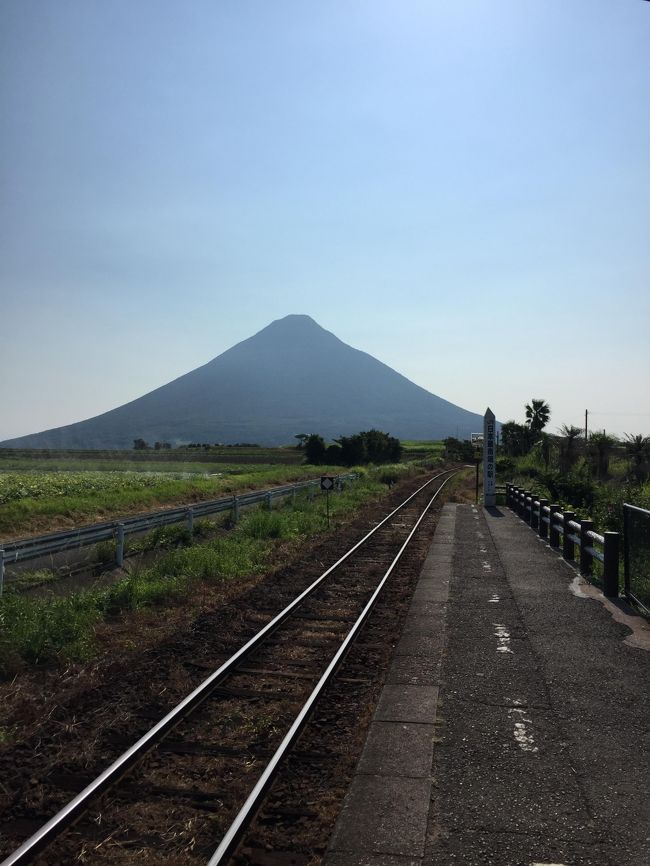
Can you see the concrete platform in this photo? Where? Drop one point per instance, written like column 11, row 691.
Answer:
column 514, row 727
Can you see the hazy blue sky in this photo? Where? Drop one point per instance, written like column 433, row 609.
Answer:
column 461, row 189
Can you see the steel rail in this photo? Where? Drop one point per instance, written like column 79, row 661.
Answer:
column 72, row 811
column 248, row 810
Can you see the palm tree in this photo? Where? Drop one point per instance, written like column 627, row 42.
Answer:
column 637, row 449
column 603, row 445
column 538, row 413
column 568, row 451
column 514, row 438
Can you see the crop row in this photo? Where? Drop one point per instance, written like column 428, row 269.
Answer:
column 15, row 486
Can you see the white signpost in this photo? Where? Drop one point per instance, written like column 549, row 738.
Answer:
column 489, row 460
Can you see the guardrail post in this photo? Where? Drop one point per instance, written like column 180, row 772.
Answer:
column 534, row 517
column 268, row 500
column 586, row 559
column 542, row 527
column 293, row 494
column 553, row 534
column 610, row 570
column 190, row 521
column 119, row 549
column 528, row 515
column 2, row 569
column 522, row 503
column 235, row 509
column 568, row 547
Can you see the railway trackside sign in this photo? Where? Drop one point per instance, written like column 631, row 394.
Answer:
column 327, row 482
column 489, row 460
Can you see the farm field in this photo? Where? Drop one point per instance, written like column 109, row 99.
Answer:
column 37, row 501
column 46, row 491
column 146, row 460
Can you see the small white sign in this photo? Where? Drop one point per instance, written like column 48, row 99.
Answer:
column 489, row 460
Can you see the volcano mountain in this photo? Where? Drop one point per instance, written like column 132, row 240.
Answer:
column 292, row 377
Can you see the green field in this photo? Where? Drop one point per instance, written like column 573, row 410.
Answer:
column 43, row 491
column 147, row 460
column 59, row 629
column 41, row 501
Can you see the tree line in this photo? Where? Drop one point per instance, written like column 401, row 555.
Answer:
column 369, row 446
column 569, row 445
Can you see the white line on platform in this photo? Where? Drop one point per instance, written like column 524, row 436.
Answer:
column 503, row 637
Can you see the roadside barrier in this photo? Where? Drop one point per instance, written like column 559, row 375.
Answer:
column 85, row 536
column 564, row 530
column 636, row 554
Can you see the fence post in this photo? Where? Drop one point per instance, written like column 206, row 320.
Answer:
column 190, row 521
column 586, row 559
column 610, row 570
column 528, row 515
column 2, row 569
column 119, row 549
column 542, row 528
column 568, row 547
column 235, row 509
column 553, row 534
column 626, row 550
column 534, row 516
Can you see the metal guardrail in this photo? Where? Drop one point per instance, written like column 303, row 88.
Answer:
column 636, row 554
column 85, row 536
column 564, row 530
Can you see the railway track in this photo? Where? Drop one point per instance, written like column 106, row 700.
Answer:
column 189, row 789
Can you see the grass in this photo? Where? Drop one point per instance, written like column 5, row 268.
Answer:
column 36, row 631
column 39, row 630
column 429, row 445
column 38, row 501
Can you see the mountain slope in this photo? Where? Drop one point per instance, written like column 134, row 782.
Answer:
column 292, row 377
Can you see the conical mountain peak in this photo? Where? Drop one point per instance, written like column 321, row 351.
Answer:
column 291, row 377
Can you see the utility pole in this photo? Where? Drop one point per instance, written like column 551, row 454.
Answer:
column 586, row 417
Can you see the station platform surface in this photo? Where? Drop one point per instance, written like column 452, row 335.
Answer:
column 514, row 726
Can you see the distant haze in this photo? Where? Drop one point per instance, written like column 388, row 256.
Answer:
column 292, row 377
